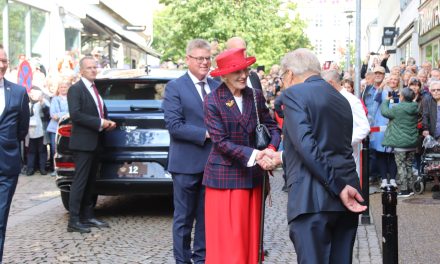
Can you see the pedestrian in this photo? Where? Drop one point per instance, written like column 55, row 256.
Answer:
column 324, row 196
column 89, row 121
column 361, row 127
column 384, row 155
column 232, row 177
column 402, row 134
column 37, row 151
column 431, row 121
column 190, row 145
column 58, row 109
column 14, row 124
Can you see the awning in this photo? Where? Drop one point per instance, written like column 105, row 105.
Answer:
column 102, row 17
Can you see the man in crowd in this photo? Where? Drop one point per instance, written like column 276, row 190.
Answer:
column 14, row 125
column 319, row 165
column 184, row 118
column 361, row 127
column 89, row 121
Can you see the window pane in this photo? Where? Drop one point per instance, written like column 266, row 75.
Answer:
column 72, row 39
column 39, row 36
column 2, row 6
column 435, row 54
column 428, row 53
column 17, row 40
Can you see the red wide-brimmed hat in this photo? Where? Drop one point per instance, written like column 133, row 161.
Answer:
column 232, row 60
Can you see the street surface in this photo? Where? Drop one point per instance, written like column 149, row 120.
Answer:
column 140, row 229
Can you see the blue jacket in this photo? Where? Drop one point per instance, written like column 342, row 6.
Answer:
column 183, row 113
column 14, row 125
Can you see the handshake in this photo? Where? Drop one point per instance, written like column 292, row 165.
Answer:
column 268, row 159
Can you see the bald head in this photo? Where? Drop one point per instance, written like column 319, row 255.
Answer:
column 235, row 43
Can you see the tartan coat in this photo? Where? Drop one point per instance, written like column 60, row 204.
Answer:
column 233, row 137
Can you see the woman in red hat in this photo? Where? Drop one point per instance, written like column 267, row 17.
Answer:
column 232, row 176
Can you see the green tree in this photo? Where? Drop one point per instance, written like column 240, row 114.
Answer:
column 264, row 24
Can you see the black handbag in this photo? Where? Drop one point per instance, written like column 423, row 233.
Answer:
column 262, row 134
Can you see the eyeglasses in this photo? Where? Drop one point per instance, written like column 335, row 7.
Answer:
column 282, row 75
column 434, row 90
column 201, row 59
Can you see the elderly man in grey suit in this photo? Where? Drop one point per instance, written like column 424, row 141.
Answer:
column 324, row 199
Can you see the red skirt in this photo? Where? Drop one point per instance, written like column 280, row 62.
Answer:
column 232, row 225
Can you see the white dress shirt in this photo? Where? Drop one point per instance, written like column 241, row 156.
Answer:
column 2, row 96
column 361, row 126
column 198, row 87
column 89, row 87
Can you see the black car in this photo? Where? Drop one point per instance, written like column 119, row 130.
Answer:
column 134, row 158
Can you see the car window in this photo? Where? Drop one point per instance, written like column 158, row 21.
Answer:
column 132, row 90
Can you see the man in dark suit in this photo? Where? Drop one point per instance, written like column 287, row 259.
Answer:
column 253, row 80
column 89, row 121
column 323, row 203
column 14, row 125
column 189, row 149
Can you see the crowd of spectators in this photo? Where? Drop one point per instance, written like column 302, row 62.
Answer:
column 48, row 104
column 395, row 153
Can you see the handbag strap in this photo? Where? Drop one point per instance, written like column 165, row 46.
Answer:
column 256, row 107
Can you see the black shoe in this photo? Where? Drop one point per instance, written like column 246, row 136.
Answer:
column 266, row 253
column 436, row 195
column 43, row 172
column 285, row 188
column 77, row 226
column 30, row 172
column 435, row 188
column 93, row 222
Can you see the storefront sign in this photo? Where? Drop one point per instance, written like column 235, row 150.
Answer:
column 429, row 16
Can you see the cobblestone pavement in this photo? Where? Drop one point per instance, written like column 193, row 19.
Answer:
column 418, row 219
column 140, row 229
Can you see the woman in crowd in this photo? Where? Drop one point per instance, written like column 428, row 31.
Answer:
column 431, row 122
column 349, row 85
column 384, row 155
column 402, row 135
column 233, row 180
column 36, row 148
column 58, row 108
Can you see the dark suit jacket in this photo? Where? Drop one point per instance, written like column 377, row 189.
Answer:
column 85, row 118
column 233, row 135
column 318, row 157
column 255, row 80
column 183, row 113
column 14, row 125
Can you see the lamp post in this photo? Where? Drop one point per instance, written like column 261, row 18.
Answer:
column 349, row 16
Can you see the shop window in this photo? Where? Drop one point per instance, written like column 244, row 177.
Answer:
column 428, row 53
column 17, row 32
column 435, row 54
column 2, row 6
column 39, row 35
column 72, row 39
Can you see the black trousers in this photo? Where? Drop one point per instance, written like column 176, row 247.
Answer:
column 81, row 191
column 324, row 238
column 36, row 150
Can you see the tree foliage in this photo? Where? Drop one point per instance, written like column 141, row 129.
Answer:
column 264, row 24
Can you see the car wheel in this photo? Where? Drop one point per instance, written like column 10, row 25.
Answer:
column 65, row 199
column 418, row 187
